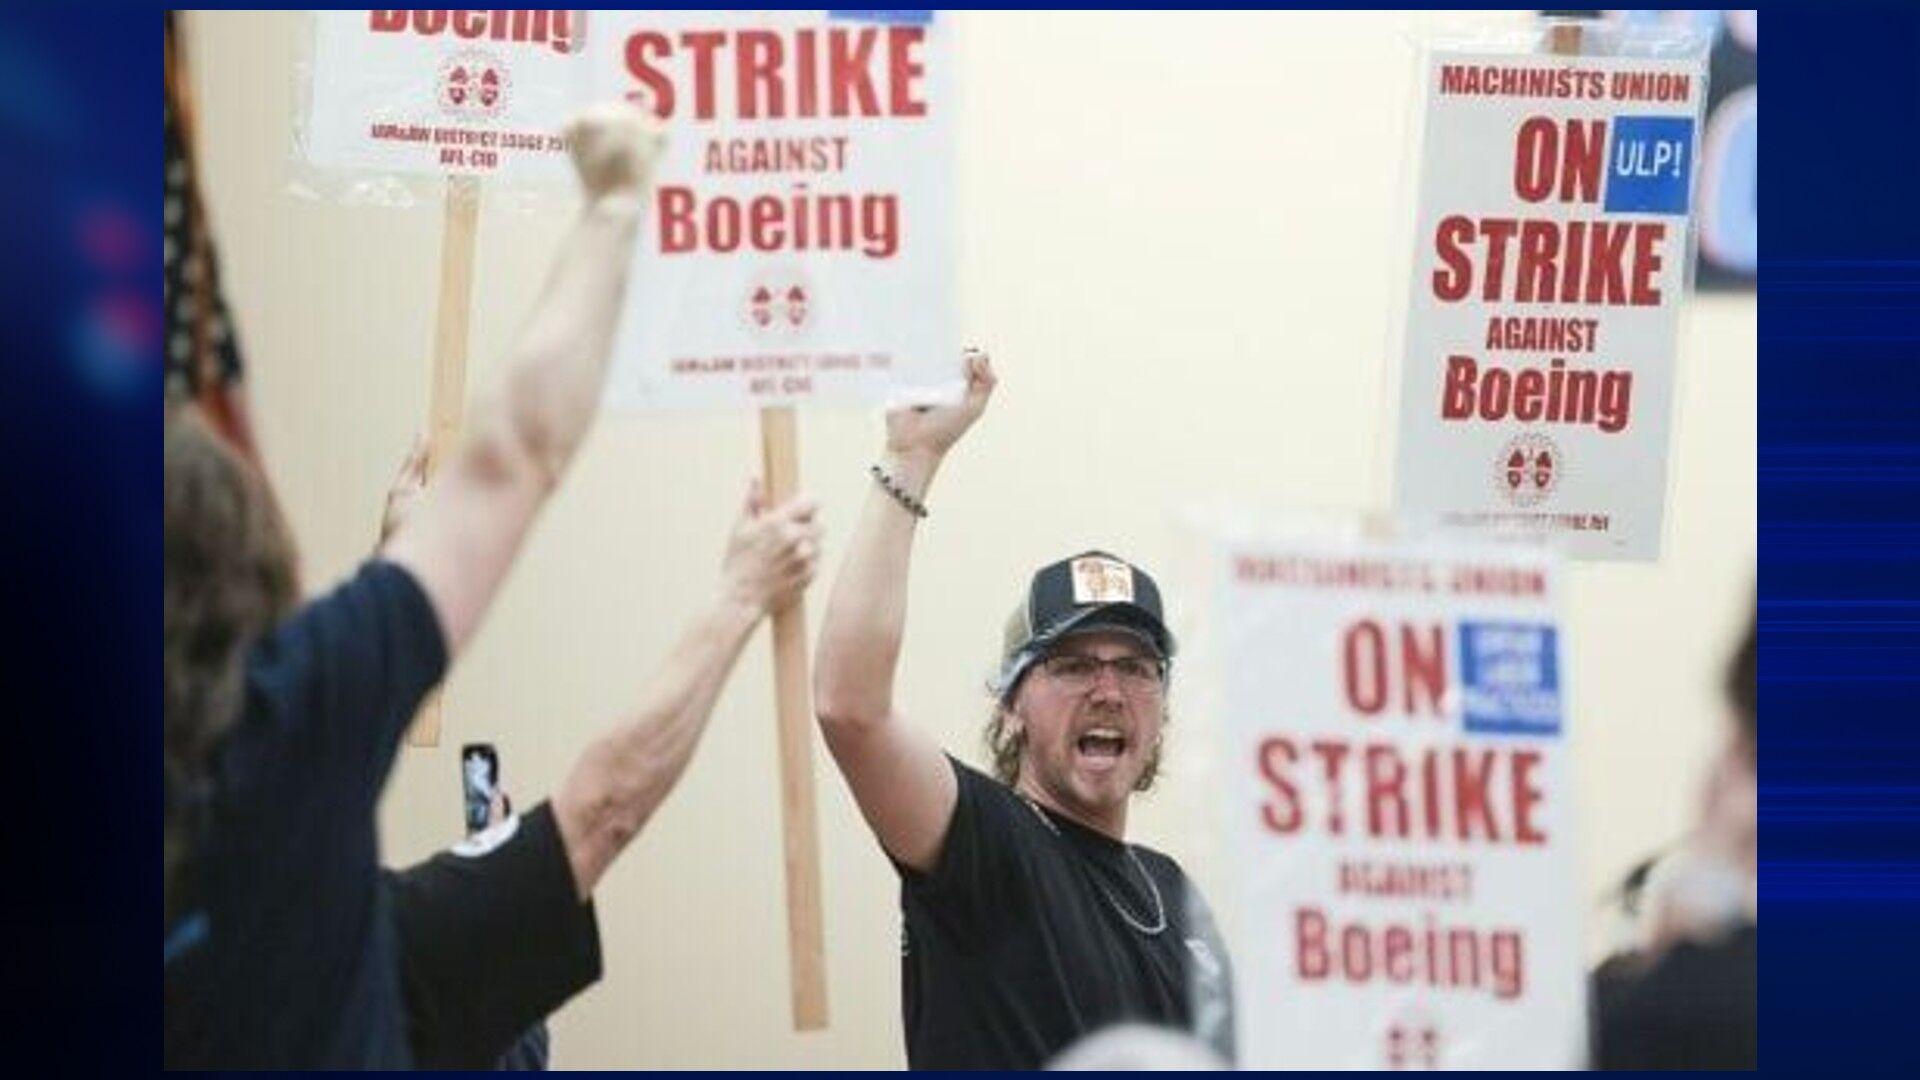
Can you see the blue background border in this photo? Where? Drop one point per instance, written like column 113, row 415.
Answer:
column 80, row 174
column 1840, row 539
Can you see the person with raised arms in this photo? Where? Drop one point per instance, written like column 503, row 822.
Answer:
column 1030, row 920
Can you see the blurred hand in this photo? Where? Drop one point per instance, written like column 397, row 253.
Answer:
column 409, row 484
column 772, row 553
column 614, row 145
column 929, row 431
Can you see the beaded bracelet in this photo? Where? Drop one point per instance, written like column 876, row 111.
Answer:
column 900, row 495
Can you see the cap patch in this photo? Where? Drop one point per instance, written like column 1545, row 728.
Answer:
column 1101, row 581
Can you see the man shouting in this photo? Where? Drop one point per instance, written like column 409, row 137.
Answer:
column 1029, row 920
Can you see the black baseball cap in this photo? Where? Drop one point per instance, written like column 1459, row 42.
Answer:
column 1093, row 590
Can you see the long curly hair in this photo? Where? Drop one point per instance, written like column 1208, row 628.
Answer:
column 229, row 576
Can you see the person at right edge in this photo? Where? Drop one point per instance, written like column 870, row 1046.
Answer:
column 1689, row 998
column 1029, row 920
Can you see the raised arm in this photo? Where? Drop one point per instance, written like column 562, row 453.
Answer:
column 463, row 538
column 623, row 776
column 898, row 775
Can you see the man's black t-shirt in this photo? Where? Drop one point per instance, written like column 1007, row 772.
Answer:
column 493, row 938
column 285, row 958
column 1033, row 931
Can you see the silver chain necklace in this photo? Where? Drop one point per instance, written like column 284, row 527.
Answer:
column 1159, row 906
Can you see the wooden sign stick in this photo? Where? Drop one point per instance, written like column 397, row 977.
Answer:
column 447, row 401
column 806, row 953
column 1563, row 39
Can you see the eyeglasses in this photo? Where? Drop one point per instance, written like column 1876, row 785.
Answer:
column 1075, row 672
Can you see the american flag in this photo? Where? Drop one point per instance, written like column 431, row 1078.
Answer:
column 202, row 354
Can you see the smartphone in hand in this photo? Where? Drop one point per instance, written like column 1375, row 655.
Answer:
column 479, row 779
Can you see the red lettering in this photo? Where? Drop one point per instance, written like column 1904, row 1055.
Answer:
column 1430, row 792
column 1458, row 793
column 805, row 220
column 1534, row 157
column 1444, row 957
column 1364, row 667
column 1574, row 263
column 1425, row 658
column 1540, row 159
column 469, row 23
column 1539, row 243
column 678, row 233
column 1456, row 396
column 847, row 73
column 1386, row 792
column 809, row 103
column 1332, row 755
column 1452, row 281
column 904, row 69
column 775, row 76
column 1397, row 954
column 659, row 89
column 1526, row 796
column 1646, row 262
column 1606, row 283
column 1529, row 390
column 704, row 44
column 553, row 28
column 1586, row 154
column 1282, row 812
column 765, row 216
column 562, row 31
column 1472, row 776
column 723, row 224
column 1554, row 261
column 1356, row 954
column 1496, row 232
column 1558, row 394
column 1310, row 957
column 1495, row 386
column 757, row 73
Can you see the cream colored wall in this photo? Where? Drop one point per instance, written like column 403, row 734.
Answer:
column 1177, row 230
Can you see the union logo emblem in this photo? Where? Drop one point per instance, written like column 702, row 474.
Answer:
column 779, row 303
column 1528, row 469
column 473, row 84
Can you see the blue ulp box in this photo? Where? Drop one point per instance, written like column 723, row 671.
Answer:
column 1509, row 678
column 912, row 16
column 1649, row 164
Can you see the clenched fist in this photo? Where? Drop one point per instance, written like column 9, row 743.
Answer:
column 615, row 145
column 931, row 430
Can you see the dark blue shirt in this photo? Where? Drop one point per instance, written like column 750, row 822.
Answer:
column 295, row 966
